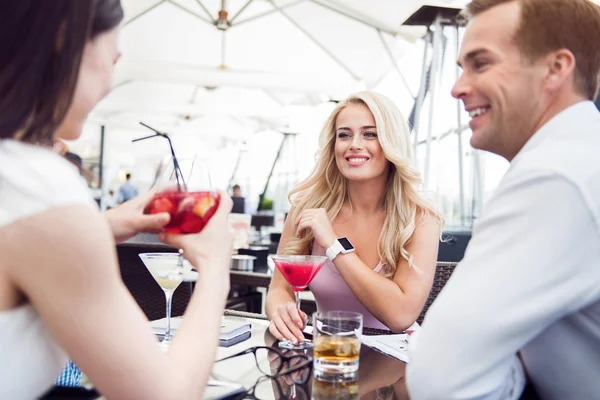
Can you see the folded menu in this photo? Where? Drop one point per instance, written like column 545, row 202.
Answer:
column 395, row 346
column 232, row 332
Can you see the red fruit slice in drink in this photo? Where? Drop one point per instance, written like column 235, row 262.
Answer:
column 186, row 204
column 191, row 223
column 159, row 205
column 203, row 206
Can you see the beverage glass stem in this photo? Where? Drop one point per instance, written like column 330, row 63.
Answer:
column 168, row 298
column 297, row 294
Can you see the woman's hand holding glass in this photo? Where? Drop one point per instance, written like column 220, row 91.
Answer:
column 317, row 220
column 128, row 219
column 287, row 322
column 212, row 247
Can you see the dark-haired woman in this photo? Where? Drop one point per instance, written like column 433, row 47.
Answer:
column 60, row 289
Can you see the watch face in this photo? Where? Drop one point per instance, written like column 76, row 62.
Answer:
column 346, row 244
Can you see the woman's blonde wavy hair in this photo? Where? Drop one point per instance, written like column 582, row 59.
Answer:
column 327, row 188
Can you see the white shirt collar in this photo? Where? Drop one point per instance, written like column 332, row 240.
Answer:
column 559, row 124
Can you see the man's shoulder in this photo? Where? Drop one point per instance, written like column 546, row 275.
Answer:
column 568, row 162
column 573, row 156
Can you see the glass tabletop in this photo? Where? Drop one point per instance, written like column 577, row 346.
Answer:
column 378, row 377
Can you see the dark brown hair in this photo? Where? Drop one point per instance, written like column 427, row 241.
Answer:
column 550, row 25
column 40, row 54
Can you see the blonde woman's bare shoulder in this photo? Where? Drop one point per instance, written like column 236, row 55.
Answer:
column 425, row 238
column 428, row 218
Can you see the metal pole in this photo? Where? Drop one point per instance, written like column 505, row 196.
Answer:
column 420, row 96
column 264, row 193
column 437, row 39
column 101, row 168
column 223, row 48
column 237, row 165
column 461, row 183
column 101, row 160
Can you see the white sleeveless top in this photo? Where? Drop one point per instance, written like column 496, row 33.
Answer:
column 32, row 180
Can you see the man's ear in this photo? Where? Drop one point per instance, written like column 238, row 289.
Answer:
column 561, row 68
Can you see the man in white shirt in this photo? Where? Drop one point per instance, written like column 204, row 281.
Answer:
column 525, row 301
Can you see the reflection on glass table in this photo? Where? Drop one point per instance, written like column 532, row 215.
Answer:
column 378, row 377
column 290, row 368
column 378, row 383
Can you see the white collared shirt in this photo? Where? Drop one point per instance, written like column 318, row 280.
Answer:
column 529, row 281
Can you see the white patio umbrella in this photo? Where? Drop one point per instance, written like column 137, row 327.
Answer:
column 176, row 52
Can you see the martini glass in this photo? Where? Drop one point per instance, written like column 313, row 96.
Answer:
column 299, row 271
column 166, row 271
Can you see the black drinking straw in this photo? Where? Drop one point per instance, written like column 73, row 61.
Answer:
column 177, row 170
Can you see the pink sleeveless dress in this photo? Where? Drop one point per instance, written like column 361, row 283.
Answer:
column 333, row 293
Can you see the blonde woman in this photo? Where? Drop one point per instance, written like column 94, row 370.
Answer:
column 361, row 206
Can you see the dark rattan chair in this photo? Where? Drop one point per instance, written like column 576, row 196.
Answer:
column 149, row 295
column 144, row 288
column 443, row 271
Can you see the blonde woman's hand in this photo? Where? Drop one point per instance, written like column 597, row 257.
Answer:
column 317, row 220
column 213, row 246
column 287, row 322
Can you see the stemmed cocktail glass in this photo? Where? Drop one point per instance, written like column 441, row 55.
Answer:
column 166, row 271
column 299, row 271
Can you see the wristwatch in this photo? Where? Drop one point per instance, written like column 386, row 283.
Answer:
column 341, row 245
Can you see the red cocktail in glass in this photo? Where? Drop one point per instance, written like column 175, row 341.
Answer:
column 189, row 211
column 184, row 191
column 299, row 271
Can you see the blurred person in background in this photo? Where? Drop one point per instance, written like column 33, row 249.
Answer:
column 127, row 190
column 60, row 288
column 363, row 189
column 109, row 199
column 236, row 191
column 249, row 207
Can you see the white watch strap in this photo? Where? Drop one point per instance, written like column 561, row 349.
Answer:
column 335, row 249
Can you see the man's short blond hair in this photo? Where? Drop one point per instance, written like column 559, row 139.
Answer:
column 550, row 25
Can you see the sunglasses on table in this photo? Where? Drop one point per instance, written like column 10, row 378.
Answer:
column 279, row 363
